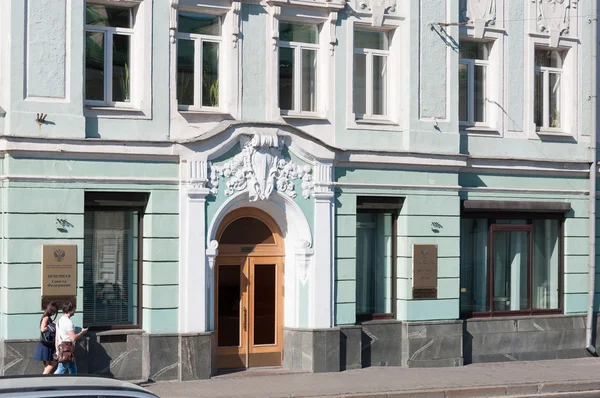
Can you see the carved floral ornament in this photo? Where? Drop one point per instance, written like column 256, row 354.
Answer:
column 377, row 8
column 261, row 168
column 553, row 17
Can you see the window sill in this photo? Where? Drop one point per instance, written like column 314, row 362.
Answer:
column 114, row 112
column 384, row 122
column 303, row 116
column 103, row 332
column 199, row 112
column 514, row 314
column 474, row 129
column 552, row 133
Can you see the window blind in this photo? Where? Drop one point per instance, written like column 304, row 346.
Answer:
column 110, row 268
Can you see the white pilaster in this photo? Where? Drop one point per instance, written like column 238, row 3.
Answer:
column 193, row 303
column 321, row 280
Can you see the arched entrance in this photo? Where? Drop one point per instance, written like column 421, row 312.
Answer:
column 249, row 290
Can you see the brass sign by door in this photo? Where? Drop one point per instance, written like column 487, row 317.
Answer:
column 59, row 274
column 425, row 271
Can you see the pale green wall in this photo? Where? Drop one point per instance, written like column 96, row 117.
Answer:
column 30, row 211
column 420, row 209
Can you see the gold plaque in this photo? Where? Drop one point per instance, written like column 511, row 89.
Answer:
column 425, row 293
column 425, row 271
column 59, row 272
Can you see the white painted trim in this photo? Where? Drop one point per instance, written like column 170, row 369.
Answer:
column 457, row 188
column 309, row 150
column 94, row 179
column 295, row 230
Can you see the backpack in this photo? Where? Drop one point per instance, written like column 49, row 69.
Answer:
column 47, row 338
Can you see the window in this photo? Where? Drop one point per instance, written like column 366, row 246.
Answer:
column 472, row 72
column 376, row 257
column 298, row 47
column 198, row 54
column 511, row 264
column 108, row 55
column 112, row 260
column 371, row 52
column 547, row 90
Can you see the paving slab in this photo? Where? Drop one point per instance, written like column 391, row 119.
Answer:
column 477, row 380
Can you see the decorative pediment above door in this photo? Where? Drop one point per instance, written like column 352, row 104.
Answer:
column 261, row 167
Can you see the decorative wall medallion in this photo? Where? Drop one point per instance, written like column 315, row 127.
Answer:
column 553, row 17
column 479, row 13
column 261, row 168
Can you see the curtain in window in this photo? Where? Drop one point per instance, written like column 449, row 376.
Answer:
column 110, row 268
column 473, row 267
column 374, row 263
column 545, row 264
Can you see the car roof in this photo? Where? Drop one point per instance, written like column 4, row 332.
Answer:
column 64, row 382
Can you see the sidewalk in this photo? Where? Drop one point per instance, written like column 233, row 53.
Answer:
column 478, row 380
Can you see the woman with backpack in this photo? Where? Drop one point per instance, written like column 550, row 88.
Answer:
column 46, row 347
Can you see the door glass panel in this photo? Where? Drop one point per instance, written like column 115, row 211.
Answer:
column 511, row 266
column 264, row 304
column 229, row 306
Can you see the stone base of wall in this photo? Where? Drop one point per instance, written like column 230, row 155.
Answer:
column 432, row 344
column 524, row 339
column 127, row 355
column 312, row 350
column 136, row 356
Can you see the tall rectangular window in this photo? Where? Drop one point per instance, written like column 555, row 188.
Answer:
column 112, row 260
column 198, row 54
column 547, row 90
column 510, row 265
column 376, row 257
column 370, row 76
column 298, row 48
column 472, row 75
column 109, row 31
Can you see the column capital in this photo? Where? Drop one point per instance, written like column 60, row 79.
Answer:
column 324, row 196
column 196, row 191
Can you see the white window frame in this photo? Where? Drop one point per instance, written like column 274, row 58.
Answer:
column 140, row 70
column 471, row 63
column 108, row 33
column 495, row 82
column 547, row 70
column 230, row 77
column 298, row 47
column 570, row 88
column 324, row 15
column 370, row 53
column 398, row 64
column 198, row 39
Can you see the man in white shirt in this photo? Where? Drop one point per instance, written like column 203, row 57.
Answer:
column 65, row 331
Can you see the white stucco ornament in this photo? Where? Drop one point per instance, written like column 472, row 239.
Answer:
column 377, row 8
column 553, row 18
column 261, row 168
column 479, row 13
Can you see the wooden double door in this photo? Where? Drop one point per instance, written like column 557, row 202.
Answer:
column 249, row 310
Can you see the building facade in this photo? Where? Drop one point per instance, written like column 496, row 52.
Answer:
column 318, row 185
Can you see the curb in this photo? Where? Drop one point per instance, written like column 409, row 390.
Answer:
column 483, row 391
